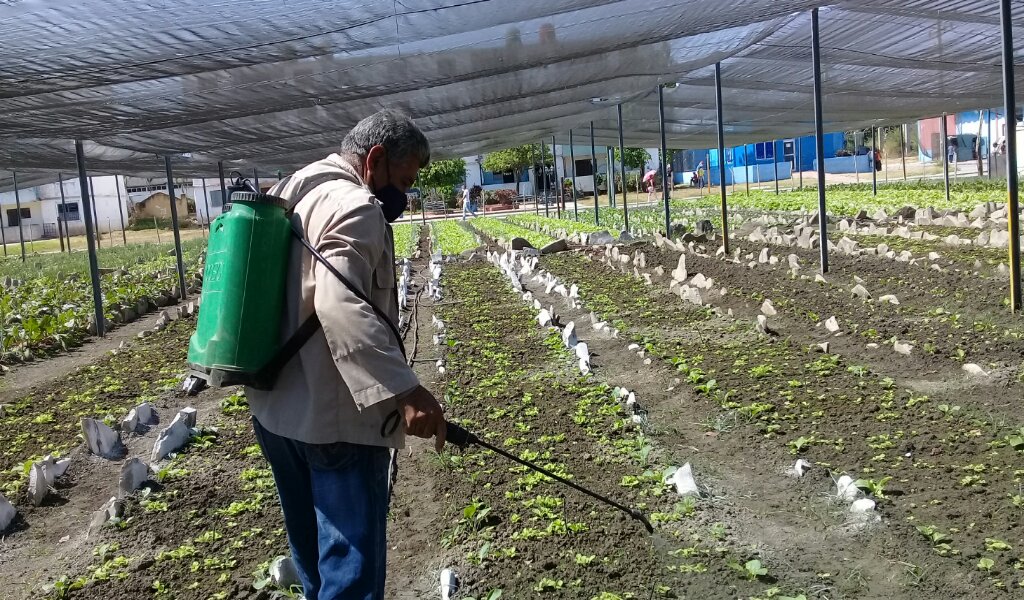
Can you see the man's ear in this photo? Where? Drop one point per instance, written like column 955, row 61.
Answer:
column 374, row 161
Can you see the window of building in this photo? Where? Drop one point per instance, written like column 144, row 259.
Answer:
column 68, row 212
column 12, row 216
column 491, row 178
column 584, row 167
column 217, row 198
column 764, row 150
column 150, row 188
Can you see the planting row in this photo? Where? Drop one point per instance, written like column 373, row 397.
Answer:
column 51, row 312
column 942, row 474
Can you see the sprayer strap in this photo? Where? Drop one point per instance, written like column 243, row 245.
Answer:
column 267, row 375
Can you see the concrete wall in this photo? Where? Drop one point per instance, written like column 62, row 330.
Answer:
column 158, row 206
column 847, row 164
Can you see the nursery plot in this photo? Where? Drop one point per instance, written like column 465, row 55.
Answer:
column 451, row 238
column 46, row 304
column 48, row 419
column 551, row 225
column 500, row 229
column 943, row 472
column 514, row 530
column 206, row 526
column 407, row 238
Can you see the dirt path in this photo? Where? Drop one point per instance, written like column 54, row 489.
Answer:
column 415, row 556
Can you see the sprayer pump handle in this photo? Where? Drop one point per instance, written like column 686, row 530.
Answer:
column 458, row 436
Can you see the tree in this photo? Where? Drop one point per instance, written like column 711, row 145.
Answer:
column 443, row 176
column 636, row 158
column 515, row 159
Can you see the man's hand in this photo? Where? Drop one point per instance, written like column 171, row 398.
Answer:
column 423, row 416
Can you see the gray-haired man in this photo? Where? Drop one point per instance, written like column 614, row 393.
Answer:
column 326, row 426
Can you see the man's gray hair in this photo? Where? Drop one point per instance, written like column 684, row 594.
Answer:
column 395, row 131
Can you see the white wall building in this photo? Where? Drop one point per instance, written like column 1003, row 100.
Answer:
column 476, row 175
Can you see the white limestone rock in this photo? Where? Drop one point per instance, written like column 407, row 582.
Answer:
column 102, row 440
column 38, row 488
column 569, row 335
column 768, row 309
column 832, row 324
column 283, row 573
column 172, row 438
column 845, row 489
column 7, row 513
column 133, row 474
column 889, row 298
column 859, row 291
column 189, row 416
column 903, row 348
column 679, row 273
column 975, row 370
column 683, row 482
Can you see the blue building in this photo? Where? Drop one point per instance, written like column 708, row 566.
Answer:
column 757, row 161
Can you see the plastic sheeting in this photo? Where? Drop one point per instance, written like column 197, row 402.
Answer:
column 275, row 84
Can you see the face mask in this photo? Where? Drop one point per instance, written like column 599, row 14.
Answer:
column 393, row 201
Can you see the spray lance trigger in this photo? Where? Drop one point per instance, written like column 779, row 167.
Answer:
column 462, row 437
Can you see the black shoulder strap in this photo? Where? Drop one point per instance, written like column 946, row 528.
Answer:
column 264, row 378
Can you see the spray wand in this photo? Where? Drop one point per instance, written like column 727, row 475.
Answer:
column 462, row 437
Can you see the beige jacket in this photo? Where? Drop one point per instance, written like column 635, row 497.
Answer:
column 341, row 386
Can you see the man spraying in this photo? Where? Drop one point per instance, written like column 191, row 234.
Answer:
column 345, row 401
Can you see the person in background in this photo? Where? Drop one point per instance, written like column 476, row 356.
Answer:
column 700, row 175
column 345, row 402
column 469, row 199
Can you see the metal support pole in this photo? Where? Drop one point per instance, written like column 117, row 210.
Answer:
column 537, row 183
column 945, row 155
column 120, row 213
column 544, row 180
column 572, row 159
column 721, row 156
column 746, row 167
column 224, row 200
column 560, row 202
column 874, row 171
column 1012, row 191
column 622, row 167
column 775, row 161
column 819, row 139
column 661, row 161
column 799, row 161
column 206, row 202
column 988, row 114
column 610, row 160
column 174, row 227
column 593, row 173
column 95, row 214
column 17, row 206
column 903, row 149
column 94, row 268
column 856, row 149
column 256, row 178
column 60, row 218
column 64, row 208
column 3, row 235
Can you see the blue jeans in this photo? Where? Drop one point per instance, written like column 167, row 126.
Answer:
column 335, row 502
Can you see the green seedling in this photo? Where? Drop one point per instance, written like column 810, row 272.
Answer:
column 986, row 564
column 494, row 594
column 752, row 569
column 798, row 445
column 548, row 585
column 875, row 488
column 994, row 545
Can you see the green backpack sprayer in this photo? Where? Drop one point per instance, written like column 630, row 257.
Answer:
column 238, row 336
